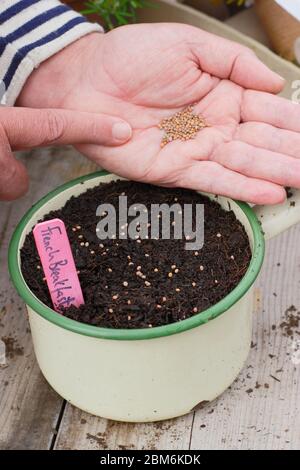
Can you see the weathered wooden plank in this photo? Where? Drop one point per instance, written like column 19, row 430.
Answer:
column 80, row 430
column 261, row 411
column 250, row 415
column 29, row 408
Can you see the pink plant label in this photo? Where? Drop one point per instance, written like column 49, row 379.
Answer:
column 58, row 264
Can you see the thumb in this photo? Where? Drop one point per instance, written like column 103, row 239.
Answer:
column 26, row 127
column 227, row 59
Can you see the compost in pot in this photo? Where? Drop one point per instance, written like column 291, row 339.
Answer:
column 144, row 282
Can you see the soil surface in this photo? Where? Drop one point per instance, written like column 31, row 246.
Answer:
column 173, row 283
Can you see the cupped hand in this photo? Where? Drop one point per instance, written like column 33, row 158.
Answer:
column 144, row 73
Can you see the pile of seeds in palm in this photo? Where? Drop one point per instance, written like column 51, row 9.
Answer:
column 143, row 283
column 183, row 125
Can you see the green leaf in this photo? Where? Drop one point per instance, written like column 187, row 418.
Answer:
column 115, row 12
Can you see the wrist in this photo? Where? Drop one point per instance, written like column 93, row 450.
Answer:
column 52, row 81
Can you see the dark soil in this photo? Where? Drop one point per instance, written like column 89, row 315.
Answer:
column 198, row 279
column 12, row 347
column 291, row 323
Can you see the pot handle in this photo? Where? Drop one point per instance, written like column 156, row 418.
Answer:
column 278, row 218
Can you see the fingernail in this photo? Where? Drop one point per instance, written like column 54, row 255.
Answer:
column 121, row 131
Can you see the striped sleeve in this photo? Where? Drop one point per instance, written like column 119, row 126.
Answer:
column 31, row 31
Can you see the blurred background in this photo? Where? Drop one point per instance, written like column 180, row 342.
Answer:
column 274, row 23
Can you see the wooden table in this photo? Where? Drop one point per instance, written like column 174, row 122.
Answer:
column 260, row 411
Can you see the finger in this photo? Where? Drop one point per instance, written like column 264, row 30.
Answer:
column 207, row 176
column 274, row 110
column 13, row 176
column 26, row 128
column 269, row 137
column 259, row 163
column 213, row 178
column 227, row 59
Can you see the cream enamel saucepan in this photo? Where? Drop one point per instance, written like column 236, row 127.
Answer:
column 147, row 374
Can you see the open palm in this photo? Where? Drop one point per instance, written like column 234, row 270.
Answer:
column 144, row 73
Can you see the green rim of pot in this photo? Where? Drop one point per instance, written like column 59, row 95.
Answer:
column 134, row 334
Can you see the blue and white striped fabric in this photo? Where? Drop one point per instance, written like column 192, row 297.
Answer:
column 31, row 31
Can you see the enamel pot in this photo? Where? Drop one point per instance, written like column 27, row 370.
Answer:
column 152, row 374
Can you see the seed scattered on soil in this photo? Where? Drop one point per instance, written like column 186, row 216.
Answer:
column 183, row 125
column 103, row 277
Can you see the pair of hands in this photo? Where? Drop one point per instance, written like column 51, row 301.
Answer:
column 141, row 74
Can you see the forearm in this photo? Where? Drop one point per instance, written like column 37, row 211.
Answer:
column 31, row 31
